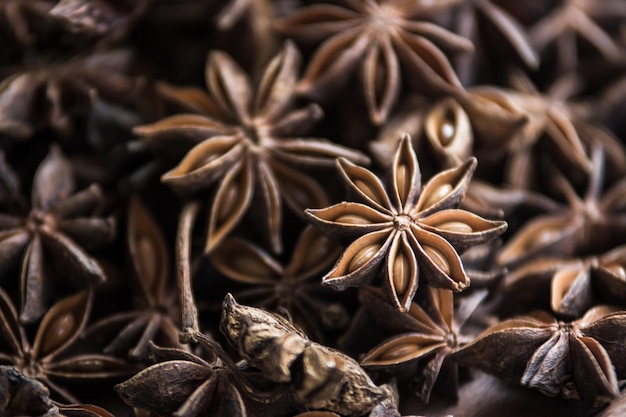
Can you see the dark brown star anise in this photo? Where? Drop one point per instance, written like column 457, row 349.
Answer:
column 581, row 359
column 595, row 221
column 58, row 330
column 153, row 319
column 575, row 283
column 429, row 332
column 248, row 142
column 53, row 234
column 409, row 231
column 383, row 37
column 294, row 287
column 186, row 385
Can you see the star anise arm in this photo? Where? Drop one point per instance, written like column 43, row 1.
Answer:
column 406, row 178
column 594, row 373
column 381, row 62
column 244, row 262
column 53, row 181
column 401, row 277
column 299, row 191
column 348, row 220
column 32, row 282
column 229, row 86
column 366, row 185
column 547, row 369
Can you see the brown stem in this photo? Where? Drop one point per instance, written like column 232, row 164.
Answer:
column 188, row 311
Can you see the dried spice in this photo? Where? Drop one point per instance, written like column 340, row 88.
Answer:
column 247, row 141
column 319, row 377
column 54, row 235
column 294, row 287
column 408, row 232
column 583, row 358
column 380, row 36
column 58, row 330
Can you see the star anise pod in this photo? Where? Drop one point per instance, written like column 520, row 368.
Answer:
column 574, row 283
column 54, row 234
column 578, row 17
column 428, row 332
column 383, row 37
column 404, row 229
column 293, row 287
column 193, row 386
column 583, row 358
column 153, row 319
column 596, row 220
column 58, row 330
column 248, row 142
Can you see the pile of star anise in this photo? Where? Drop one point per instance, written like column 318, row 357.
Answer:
column 312, row 208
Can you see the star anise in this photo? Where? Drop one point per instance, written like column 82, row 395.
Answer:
column 596, row 220
column 247, row 141
column 153, row 318
column 186, row 385
column 583, row 358
column 294, row 287
column 54, row 234
column 578, row 17
column 428, row 332
column 405, row 230
column 381, row 36
column 574, row 282
column 58, row 330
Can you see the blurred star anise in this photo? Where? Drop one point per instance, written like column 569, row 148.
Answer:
column 404, row 229
column 153, row 319
column 58, row 330
column 384, row 37
column 581, row 359
column 248, row 142
column 53, row 234
column 294, row 287
column 428, row 333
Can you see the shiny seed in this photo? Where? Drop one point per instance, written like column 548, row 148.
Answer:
column 398, row 352
column 617, row 270
column 401, row 273
column 455, row 227
column 363, row 256
column 58, row 332
column 403, row 182
column 437, row 257
column 437, row 195
column 352, row 219
column 446, row 133
column 367, row 190
column 544, row 236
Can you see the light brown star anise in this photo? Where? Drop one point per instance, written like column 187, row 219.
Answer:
column 58, row 330
column 54, row 234
column 578, row 17
column 409, row 232
column 248, row 142
column 382, row 37
column 294, row 287
column 153, row 319
column 581, row 359
column 427, row 333
column 596, row 221
column 575, row 283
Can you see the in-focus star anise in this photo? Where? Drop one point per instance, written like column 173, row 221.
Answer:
column 154, row 316
column 578, row 17
column 384, row 38
column 574, row 283
column 247, row 141
column 53, row 234
column 429, row 332
column 58, row 330
column 581, row 359
column 186, row 385
column 595, row 221
column 409, row 232
column 294, row 287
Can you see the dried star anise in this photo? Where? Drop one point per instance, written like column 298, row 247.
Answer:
column 53, row 234
column 319, row 377
column 581, row 359
column 248, row 142
column 58, row 330
column 293, row 287
column 153, row 318
column 383, row 37
column 409, row 231
column 428, row 333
